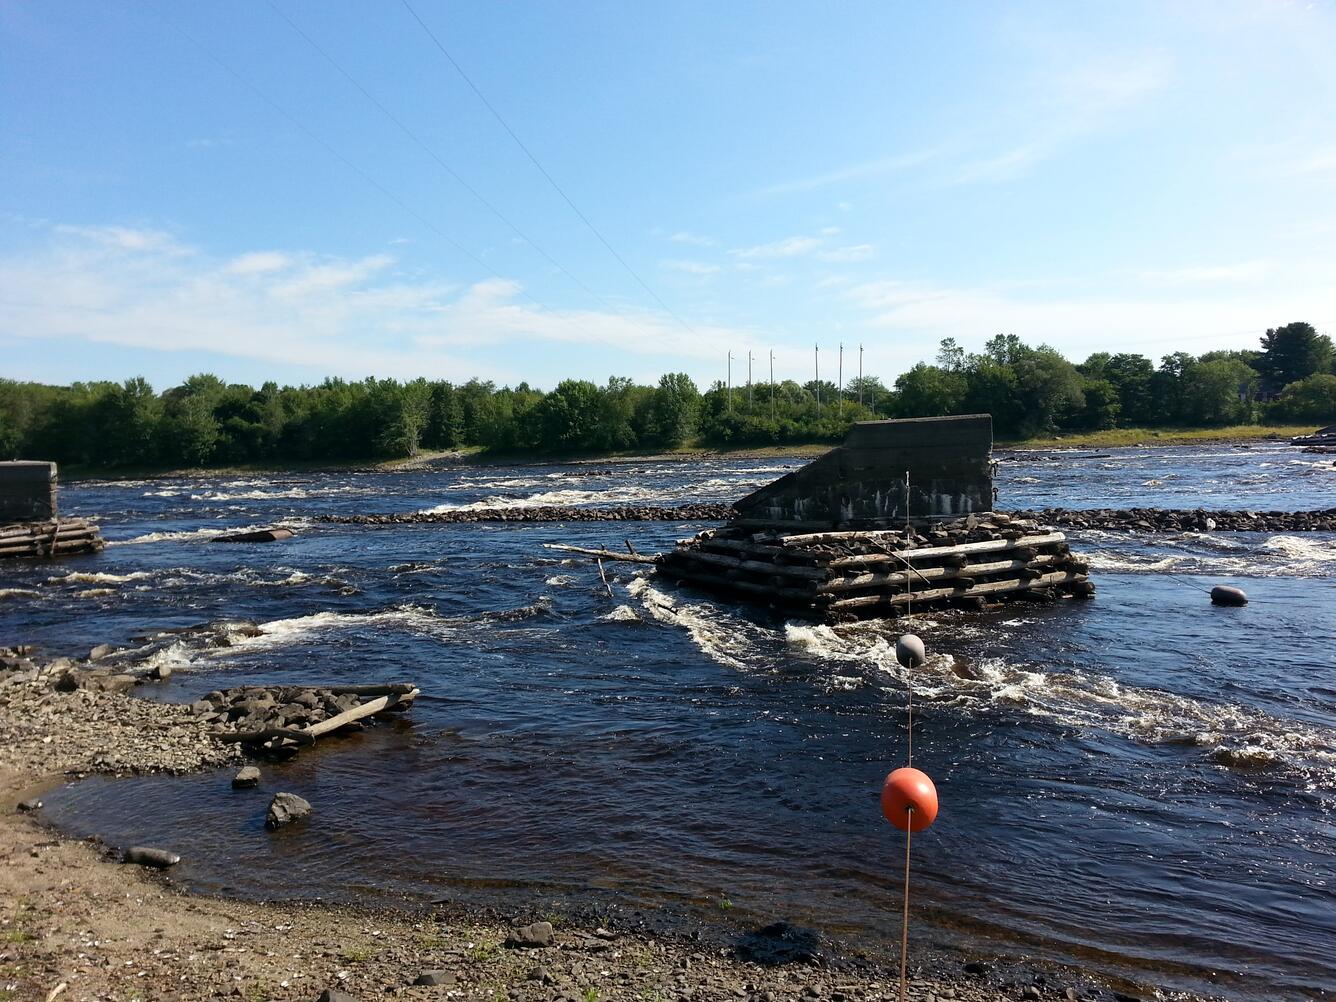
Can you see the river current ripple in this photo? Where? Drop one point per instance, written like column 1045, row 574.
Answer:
column 1142, row 784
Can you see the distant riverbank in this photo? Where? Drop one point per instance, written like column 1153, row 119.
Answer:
column 474, row 455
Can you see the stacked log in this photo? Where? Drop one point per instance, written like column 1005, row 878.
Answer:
column 840, row 575
column 43, row 540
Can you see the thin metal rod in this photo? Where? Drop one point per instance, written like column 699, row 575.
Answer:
column 904, row 922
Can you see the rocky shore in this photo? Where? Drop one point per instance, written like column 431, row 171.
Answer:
column 545, row 513
column 81, row 924
column 1184, row 519
column 1121, row 519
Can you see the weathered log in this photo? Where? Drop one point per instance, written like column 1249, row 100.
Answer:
column 933, row 594
column 388, row 689
column 755, row 566
column 366, row 709
column 713, row 582
column 930, row 553
column 762, row 550
column 634, row 558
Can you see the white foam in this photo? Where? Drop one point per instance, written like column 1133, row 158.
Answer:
column 624, row 494
column 98, row 577
column 724, row 638
column 559, row 580
column 621, row 614
column 15, row 592
column 284, row 632
column 1236, row 736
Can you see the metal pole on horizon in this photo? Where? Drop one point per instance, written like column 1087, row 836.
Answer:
column 839, row 406
column 816, row 362
column 772, row 383
column 860, row 375
column 749, row 382
column 730, row 383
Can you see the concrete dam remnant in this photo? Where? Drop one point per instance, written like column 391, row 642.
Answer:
column 30, row 522
column 862, row 483
column 898, row 516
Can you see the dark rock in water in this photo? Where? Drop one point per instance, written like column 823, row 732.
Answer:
column 780, row 943
column 435, row 978
column 143, row 855
column 1228, row 595
column 29, row 805
column 284, row 809
column 976, row 967
column 246, row 777
column 534, row 935
column 258, row 536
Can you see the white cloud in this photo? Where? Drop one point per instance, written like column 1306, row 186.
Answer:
column 1077, row 326
column 698, row 268
column 693, row 239
column 789, row 247
column 844, row 255
column 352, row 317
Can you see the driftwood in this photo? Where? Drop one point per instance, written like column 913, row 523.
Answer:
column 368, row 708
column 298, row 735
column 634, row 558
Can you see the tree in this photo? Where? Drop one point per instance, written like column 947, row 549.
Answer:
column 1312, row 398
column 929, row 391
column 1101, row 404
column 1218, row 392
column 1293, row 352
column 672, row 410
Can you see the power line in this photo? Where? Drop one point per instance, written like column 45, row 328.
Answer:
column 542, row 170
column 296, row 123
column 443, row 165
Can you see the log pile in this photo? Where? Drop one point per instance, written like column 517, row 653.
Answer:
column 44, row 540
column 841, row 575
column 282, row 719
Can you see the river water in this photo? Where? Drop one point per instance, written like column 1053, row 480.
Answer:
column 1143, row 784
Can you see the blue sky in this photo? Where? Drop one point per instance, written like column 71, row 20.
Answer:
column 196, row 186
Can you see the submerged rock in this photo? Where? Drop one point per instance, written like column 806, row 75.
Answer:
column 284, row 809
column 143, row 855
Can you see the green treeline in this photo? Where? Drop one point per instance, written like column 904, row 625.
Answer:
column 1028, row 390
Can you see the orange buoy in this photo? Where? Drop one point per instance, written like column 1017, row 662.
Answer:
column 909, row 800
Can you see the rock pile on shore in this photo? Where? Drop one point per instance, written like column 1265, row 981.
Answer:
column 1185, row 520
column 49, row 725
column 545, row 513
column 254, row 708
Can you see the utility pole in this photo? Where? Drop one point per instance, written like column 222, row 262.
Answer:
column 860, row 375
column 816, row 357
column 839, row 408
column 730, row 382
column 772, row 384
column 749, row 382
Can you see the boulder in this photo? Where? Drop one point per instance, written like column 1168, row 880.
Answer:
column 435, row 979
column 143, row 855
column 257, row 536
column 99, row 652
column 334, row 995
column 284, row 809
column 536, row 934
column 246, row 777
column 29, row 805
